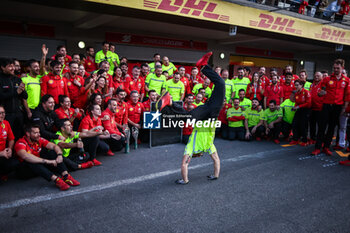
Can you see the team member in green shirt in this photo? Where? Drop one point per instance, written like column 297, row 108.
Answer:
column 156, row 58
column 198, row 100
column 175, row 88
column 303, row 77
column 106, row 55
column 288, row 115
column 235, row 118
column 254, row 122
column 155, row 81
column 244, row 102
column 168, row 66
column 229, row 86
column 204, row 85
column 240, row 82
column 272, row 121
column 32, row 84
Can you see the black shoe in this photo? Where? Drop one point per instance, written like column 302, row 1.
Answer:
column 181, row 181
column 212, row 177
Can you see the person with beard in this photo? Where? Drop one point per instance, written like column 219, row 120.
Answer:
column 175, row 87
column 135, row 83
column 236, row 117
column 272, row 121
column 240, row 82
column 18, row 68
column 152, row 98
column 316, row 106
column 125, row 68
column 89, row 63
column 288, row 115
column 184, row 79
column 273, row 92
column 168, row 66
column 74, row 82
column 12, row 94
column 205, row 85
column 61, row 50
column 39, row 156
column 244, row 102
column 156, row 58
column 254, row 121
column 223, row 118
column 144, row 71
column 121, row 116
column 288, row 85
column 156, row 81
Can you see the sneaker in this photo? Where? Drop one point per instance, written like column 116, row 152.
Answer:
column 327, row 151
column 96, row 162
column 110, row 153
column 276, row 141
column 61, row 184
column 163, row 101
column 87, row 164
column 181, row 181
column 303, row 144
column 337, row 147
column 294, row 142
column 212, row 177
column 71, row 181
column 345, row 162
column 316, row 152
column 204, row 60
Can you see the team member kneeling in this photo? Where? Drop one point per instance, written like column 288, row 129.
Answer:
column 254, row 122
column 39, row 156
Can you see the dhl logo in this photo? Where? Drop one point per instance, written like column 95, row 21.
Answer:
column 278, row 23
column 333, row 35
column 193, row 7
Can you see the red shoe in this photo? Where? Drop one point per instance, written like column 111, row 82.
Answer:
column 61, row 184
column 163, row 101
column 87, row 164
column 71, row 181
column 110, row 153
column 293, row 142
column 316, row 152
column 345, row 162
column 337, row 147
column 327, row 151
column 258, row 139
column 96, row 162
column 204, row 60
column 303, row 144
column 276, row 141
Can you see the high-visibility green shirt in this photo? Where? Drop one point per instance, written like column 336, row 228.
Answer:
column 272, row 116
column 151, row 67
column 288, row 114
column 240, row 84
column 155, row 83
column 110, row 57
column 175, row 89
column 307, row 85
column 33, row 90
column 199, row 104
column 66, row 151
column 170, row 68
column 198, row 86
column 246, row 103
column 115, row 58
column 253, row 116
column 229, row 89
column 235, row 112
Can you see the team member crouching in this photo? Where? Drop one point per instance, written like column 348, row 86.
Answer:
column 272, row 121
column 236, row 117
column 76, row 152
column 223, row 118
column 39, row 156
column 254, row 122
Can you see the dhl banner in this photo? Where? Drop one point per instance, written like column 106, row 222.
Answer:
column 233, row 14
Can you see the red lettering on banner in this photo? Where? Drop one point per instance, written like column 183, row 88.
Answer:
column 332, row 35
column 280, row 24
column 198, row 8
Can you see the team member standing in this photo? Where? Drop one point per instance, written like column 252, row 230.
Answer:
column 205, row 86
column 168, row 66
column 273, row 92
column 229, row 86
column 156, row 58
column 32, row 82
column 115, row 59
column 175, row 88
column 135, row 83
column 316, row 105
column 105, row 55
column 256, row 88
column 303, row 77
column 288, row 115
column 155, row 81
column 240, row 82
column 89, row 62
column 288, row 85
column 61, row 50
column 184, row 79
column 272, row 121
column 74, row 82
column 302, row 107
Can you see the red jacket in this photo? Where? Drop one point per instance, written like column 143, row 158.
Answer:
column 74, row 90
column 110, row 124
column 316, row 101
column 121, row 116
column 132, row 85
column 186, row 83
column 222, row 115
column 253, row 92
column 89, row 123
column 287, row 89
column 303, row 99
column 135, row 111
column 54, row 85
column 90, row 64
column 338, row 91
column 273, row 93
column 147, row 105
column 62, row 114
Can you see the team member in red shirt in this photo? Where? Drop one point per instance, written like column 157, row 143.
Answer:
column 104, row 65
column 86, row 92
column 135, row 110
column 195, row 78
column 74, row 81
column 118, row 82
column 135, row 83
column 7, row 140
column 184, row 79
column 60, row 59
column 66, row 112
column 256, row 88
column 61, row 49
column 263, row 78
column 316, row 106
column 53, row 83
column 289, row 69
column 273, row 92
column 302, row 107
column 336, row 92
column 116, row 141
column 89, row 63
column 144, row 71
column 152, row 94
column 121, row 117
column 31, row 150
column 188, row 106
column 223, row 118
column 288, row 85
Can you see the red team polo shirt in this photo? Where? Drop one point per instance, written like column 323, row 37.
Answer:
column 186, row 83
column 74, row 90
column 134, row 85
column 54, row 85
column 316, row 101
column 110, row 124
column 135, row 111
column 31, row 148
column 303, row 99
column 287, row 89
column 89, row 123
column 67, row 59
column 273, row 93
column 121, row 116
column 222, row 115
column 90, row 64
column 147, row 105
column 255, row 91
column 62, row 114
column 6, row 134
column 338, row 91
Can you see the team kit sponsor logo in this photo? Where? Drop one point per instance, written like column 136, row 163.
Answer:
column 157, row 120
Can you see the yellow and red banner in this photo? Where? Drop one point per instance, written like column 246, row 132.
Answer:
column 233, row 14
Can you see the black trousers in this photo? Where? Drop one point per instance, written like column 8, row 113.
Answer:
column 212, row 106
column 27, row 170
column 185, row 138
column 236, row 133
column 224, row 130
column 313, row 122
column 258, row 132
column 16, row 121
column 299, row 125
column 285, row 129
column 111, row 144
column 8, row 165
column 275, row 131
column 328, row 120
